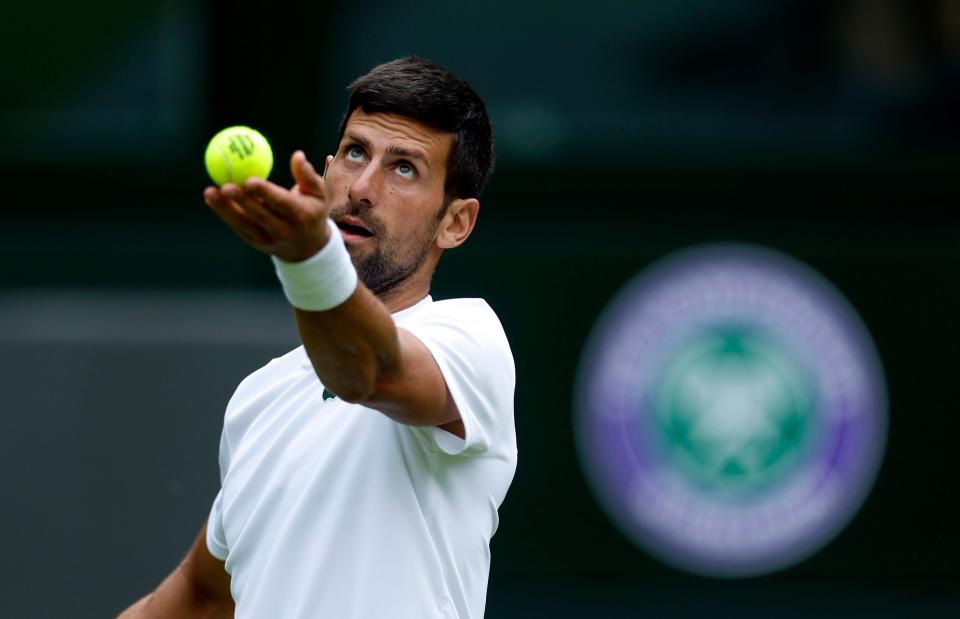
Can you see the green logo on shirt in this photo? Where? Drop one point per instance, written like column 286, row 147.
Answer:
column 328, row 395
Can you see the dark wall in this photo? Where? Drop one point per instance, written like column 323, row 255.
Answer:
column 626, row 131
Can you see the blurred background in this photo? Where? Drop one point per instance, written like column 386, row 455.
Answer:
column 625, row 131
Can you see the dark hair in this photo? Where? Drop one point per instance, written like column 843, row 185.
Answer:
column 419, row 89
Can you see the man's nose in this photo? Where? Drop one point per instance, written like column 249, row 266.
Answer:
column 365, row 188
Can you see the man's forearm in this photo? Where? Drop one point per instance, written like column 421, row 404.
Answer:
column 176, row 598
column 352, row 346
column 360, row 354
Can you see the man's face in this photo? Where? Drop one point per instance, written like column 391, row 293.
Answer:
column 386, row 186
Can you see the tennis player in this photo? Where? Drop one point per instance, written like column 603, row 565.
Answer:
column 361, row 473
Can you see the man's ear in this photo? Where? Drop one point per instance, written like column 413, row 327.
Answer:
column 457, row 222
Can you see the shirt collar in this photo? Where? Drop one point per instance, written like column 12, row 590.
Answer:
column 409, row 310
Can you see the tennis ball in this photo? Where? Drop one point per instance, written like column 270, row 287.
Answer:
column 237, row 153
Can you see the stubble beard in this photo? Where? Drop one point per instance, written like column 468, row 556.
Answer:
column 382, row 272
column 392, row 261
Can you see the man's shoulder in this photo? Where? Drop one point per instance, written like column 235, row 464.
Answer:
column 276, row 370
column 469, row 314
column 291, row 361
column 462, row 324
column 466, row 307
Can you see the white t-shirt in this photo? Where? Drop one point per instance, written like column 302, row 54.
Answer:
column 332, row 510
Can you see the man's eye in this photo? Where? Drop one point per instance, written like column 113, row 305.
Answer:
column 355, row 154
column 406, row 170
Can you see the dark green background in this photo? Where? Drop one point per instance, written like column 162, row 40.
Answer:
column 626, row 130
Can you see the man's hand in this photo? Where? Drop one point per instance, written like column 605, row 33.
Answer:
column 356, row 349
column 289, row 224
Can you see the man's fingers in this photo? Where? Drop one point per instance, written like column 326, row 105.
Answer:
column 235, row 217
column 285, row 223
column 277, row 200
column 305, row 175
column 211, row 195
column 256, row 210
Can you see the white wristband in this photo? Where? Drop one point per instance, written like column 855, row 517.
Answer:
column 321, row 282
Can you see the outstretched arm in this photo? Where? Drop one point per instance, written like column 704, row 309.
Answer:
column 199, row 587
column 355, row 347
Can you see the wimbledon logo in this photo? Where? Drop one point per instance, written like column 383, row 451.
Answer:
column 731, row 411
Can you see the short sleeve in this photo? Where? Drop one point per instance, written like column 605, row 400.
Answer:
column 216, row 539
column 237, row 418
column 468, row 343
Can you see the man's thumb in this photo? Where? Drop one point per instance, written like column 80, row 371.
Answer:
column 305, row 175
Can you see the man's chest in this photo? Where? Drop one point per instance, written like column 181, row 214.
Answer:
column 311, row 452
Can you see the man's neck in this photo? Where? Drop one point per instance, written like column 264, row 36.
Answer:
column 410, row 291
column 404, row 295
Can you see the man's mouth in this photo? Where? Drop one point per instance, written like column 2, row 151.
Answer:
column 352, row 229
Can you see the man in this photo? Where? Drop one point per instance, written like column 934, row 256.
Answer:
column 361, row 473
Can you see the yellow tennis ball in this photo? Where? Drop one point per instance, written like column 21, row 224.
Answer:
column 237, row 153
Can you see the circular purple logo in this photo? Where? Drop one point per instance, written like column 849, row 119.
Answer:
column 731, row 411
